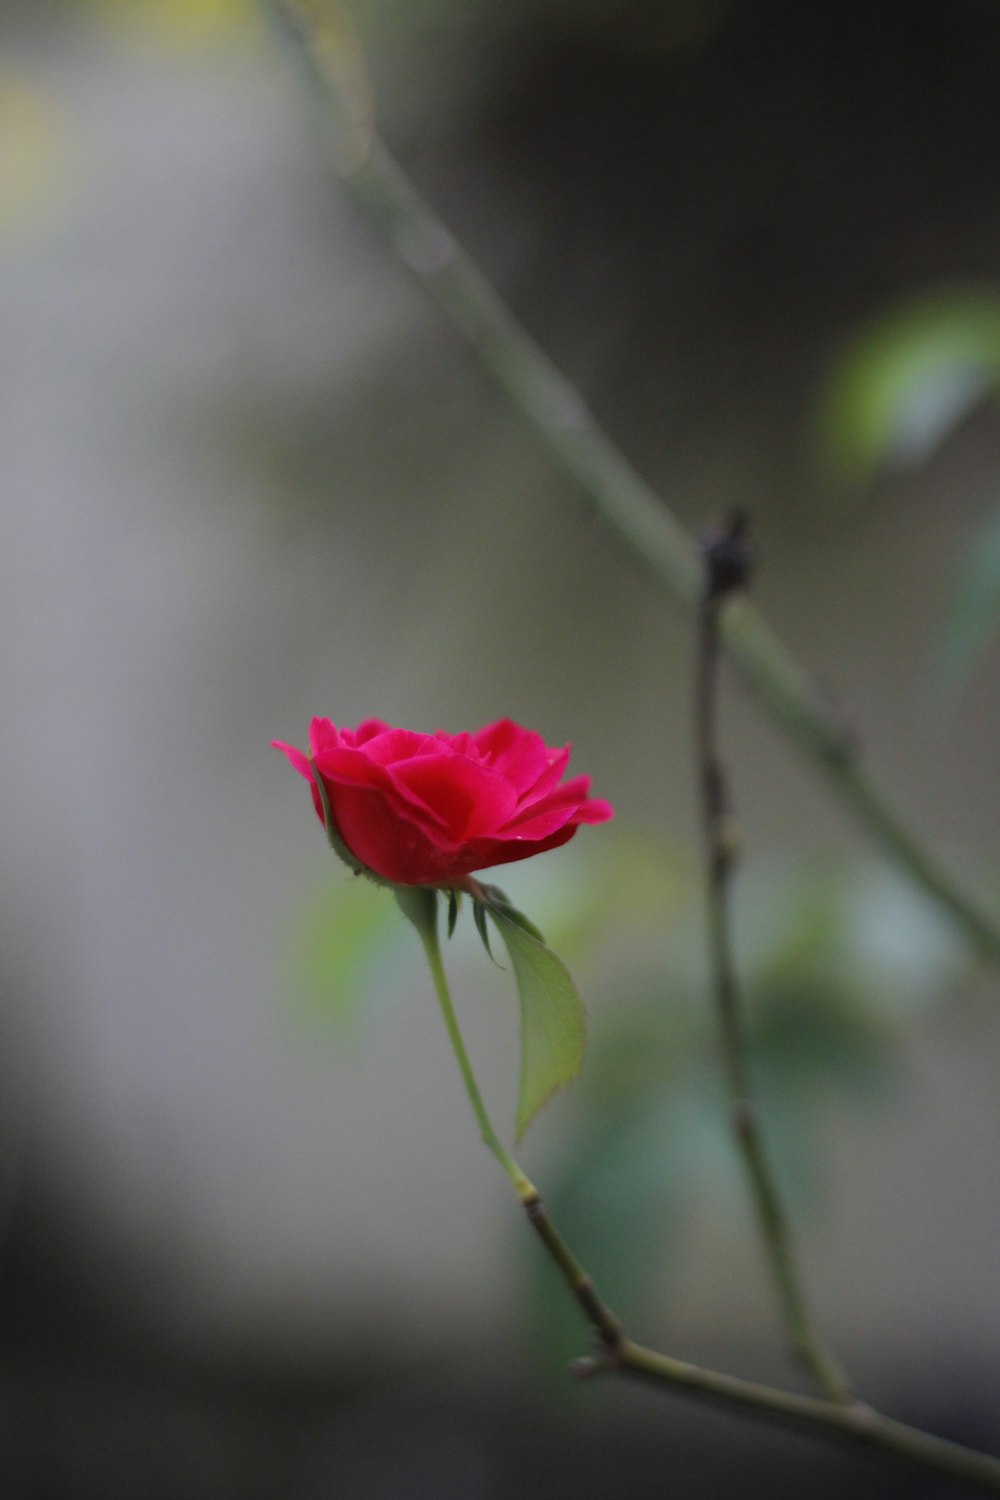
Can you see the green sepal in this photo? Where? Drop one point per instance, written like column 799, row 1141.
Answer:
column 553, row 1020
column 497, row 900
column 419, row 904
column 454, row 901
column 520, row 920
column 479, row 917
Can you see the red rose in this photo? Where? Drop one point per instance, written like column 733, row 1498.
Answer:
column 428, row 809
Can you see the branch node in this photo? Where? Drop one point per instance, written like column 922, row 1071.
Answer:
column 729, row 558
column 534, row 1208
column 863, row 1417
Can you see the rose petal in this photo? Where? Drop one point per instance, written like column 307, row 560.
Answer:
column 494, row 739
column 559, row 804
column 489, row 852
column 423, row 809
column 347, row 767
column 469, row 798
column 595, row 810
column 368, row 729
column 518, row 754
column 322, row 736
column 298, row 760
column 384, row 840
column 398, row 744
column 459, row 744
column 556, row 762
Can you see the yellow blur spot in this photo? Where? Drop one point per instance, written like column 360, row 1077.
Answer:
column 34, row 161
column 179, row 25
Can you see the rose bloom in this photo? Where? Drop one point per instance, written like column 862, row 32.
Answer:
column 428, row 809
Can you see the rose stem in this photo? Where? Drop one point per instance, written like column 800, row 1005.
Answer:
column 432, row 948
column 579, row 1283
column 853, row 1421
column 639, row 517
column 727, row 567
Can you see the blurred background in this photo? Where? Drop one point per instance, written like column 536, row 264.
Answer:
column 250, row 1244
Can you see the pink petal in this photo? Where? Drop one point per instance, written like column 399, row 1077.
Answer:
column 322, row 736
column 569, row 804
column 493, row 739
column 297, row 759
column 368, row 729
column 556, row 762
column 518, row 754
column 469, row 798
column 394, row 846
column 346, row 767
column 391, row 745
column 552, row 810
column 595, row 810
column 459, row 744
column 489, row 852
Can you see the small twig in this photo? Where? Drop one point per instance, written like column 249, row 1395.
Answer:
column 605, row 1324
column 853, row 1420
column 727, row 570
column 425, row 922
column 856, row 1421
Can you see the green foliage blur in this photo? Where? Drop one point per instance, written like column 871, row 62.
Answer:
column 902, row 388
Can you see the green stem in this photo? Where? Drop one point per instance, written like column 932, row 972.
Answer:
column 628, row 505
column 432, row 948
column 601, row 1318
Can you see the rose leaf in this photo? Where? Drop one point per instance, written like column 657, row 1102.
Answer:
column 553, row 1022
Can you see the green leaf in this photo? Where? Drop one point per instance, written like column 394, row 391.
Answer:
column 419, row 904
column 911, row 377
column 553, row 1023
column 518, row 918
column 973, row 613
